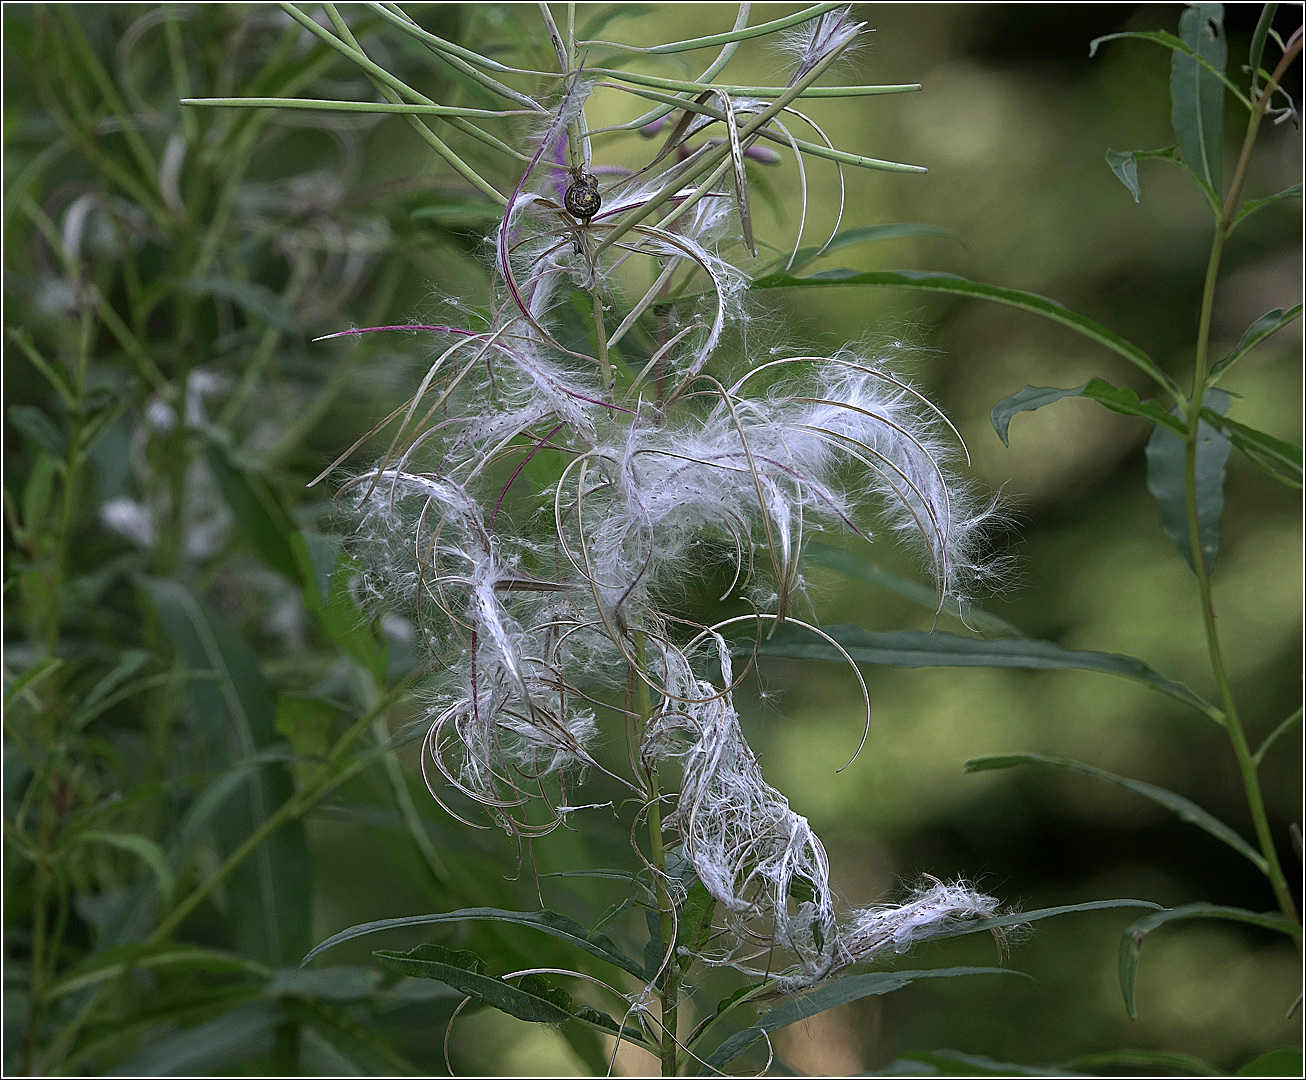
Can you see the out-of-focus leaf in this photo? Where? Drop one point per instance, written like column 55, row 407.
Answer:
column 1269, row 323
column 1184, row 809
column 960, row 286
column 260, row 518
column 109, row 963
column 828, row 995
column 853, row 566
column 131, row 662
column 1165, row 480
column 955, row 1063
column 143, row 848
column 31, row 677
column 334, row 983
column 870, row 234
column 237, row 715
column 1285, row 1062
column 1257, row 47
column 1119, row 399
column 694, row 926
column 1131, row 943
column 1280, row 460
column 914, row 648
column 256, row 299
column 37, row 494
column 1153, row 1059
column 1197, row 92
column 308, row 723
column 209, row 1049
column 550, row 922
column 1249, row 208
column 37, row 426
column 361, row 1047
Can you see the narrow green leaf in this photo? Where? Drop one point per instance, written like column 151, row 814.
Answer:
column 1268, row 324
column 694, row 924
column 260, row 518
column 1285, row 1062
column 1165, row 480
column 343, row 983
column 853, row 566
column 131, row 662
column 869, row 234
column 1197, row 92
column 914, row 648
column 1257, row 49
column 236, row 713
column 1020, row 918
column 30, row 678
column 1264, row 450
column 1156, row 1059
column 828, row 996
column 960, row 286
column 1274, row 736
column 1180, row 47
column 1131, row 943
column 550, row 922
column 531, row 998
column 1120, row 399
column 1184, row 809
column 1249, row 208
column 361, row 1046
column 192, row 958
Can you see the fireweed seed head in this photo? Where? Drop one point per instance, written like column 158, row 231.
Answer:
column 812, row 41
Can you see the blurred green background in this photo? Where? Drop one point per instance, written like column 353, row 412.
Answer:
column 258, row 232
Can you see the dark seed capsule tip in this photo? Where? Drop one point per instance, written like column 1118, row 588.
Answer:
column 582, row 198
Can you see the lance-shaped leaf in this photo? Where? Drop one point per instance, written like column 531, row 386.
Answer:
column 1268, row 324
column 1020, row 918
column 1184, row 809
column 1283, row 1062
column 1120, row 399
column 960, row 286
column 550, row 922
column 827, row 996
column 1197, row 92
column 1249, row 208
column 914, row 648
column 530, row 998
column 1166, row 472
column 1279, row 459
column 1131, row 943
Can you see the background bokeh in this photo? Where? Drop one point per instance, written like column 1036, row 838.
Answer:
column 336, row 223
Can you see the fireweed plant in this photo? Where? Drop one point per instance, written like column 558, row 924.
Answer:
column 664, row 463
column 550, row 485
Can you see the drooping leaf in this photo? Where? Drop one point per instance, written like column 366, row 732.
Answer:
column 236, row 714
column 1166, row 466
column 1184, row 809
column 914, row 648
column 853, row 566
column 828, row 995
column 1197, row 92
column 869, row 234
column 1120, row 399
column 1020, row 918
column 960, row 286
column 1124, row 163
column 1257, row 48
column 550, row 922
column 1268, row 324
column 1131, row 943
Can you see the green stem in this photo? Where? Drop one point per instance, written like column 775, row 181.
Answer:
column 1237, row 737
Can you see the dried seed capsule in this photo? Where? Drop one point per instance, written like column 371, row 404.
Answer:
column 582, row 198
